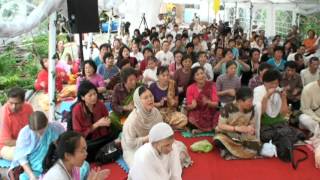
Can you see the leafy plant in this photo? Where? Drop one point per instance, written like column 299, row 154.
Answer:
column 311, row 21
column 19, row 65
column 38, row 46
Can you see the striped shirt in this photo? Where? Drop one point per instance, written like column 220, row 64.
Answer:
column 224, row 82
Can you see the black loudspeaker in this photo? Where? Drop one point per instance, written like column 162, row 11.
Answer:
column 83, row 16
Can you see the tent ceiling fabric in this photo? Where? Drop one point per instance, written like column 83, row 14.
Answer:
column 133, row 9
column 20, row 25
column 275, row 1
column 248, row 1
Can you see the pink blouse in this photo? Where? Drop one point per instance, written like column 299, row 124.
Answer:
column 173, row 68
column 96, row 79
column 193, row 93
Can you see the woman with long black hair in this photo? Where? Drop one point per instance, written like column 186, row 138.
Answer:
column 90, row 118
column 66, row 159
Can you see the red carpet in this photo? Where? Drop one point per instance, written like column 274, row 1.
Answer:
column 211, row 167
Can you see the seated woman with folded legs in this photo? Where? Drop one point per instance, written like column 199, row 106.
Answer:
column 66, row 159
column 89, row 73
column 42, row 81
column 90, row 119
column 165, row 95
column 236, row 128
column 182, row 77
column 202, row 102
column 139, row 122
column 122, row 96
column 33, row 144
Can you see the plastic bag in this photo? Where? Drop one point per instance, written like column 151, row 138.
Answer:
column 269, row 149
column 201, row 146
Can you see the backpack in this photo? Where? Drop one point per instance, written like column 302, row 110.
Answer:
column 284, row 137
column 285, row 151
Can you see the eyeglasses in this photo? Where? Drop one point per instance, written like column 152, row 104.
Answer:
column 82, row 151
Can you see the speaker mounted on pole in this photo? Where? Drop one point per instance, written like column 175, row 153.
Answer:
column 83, row 16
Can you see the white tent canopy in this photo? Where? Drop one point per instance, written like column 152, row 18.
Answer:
column 133, row 9
column 300, row 6
column 252, row 8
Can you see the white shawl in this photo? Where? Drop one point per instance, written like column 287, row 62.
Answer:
column 149, row 164
column 273, row 105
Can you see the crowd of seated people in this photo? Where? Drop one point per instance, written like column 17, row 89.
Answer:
column 189, row 80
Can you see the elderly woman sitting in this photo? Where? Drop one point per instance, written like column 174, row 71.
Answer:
column 236, row 128
column 165, row 95
column 139, row 122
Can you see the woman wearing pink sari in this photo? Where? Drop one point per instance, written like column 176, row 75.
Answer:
column 202, row 102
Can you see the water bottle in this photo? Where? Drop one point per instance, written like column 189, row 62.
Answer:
column 289, row 112
column 183, row 105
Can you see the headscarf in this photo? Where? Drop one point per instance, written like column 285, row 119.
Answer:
column 160, row 131
column 146, row 118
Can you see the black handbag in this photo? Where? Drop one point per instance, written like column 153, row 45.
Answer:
column 108, row 153
column 285, row 151
column 284, row 137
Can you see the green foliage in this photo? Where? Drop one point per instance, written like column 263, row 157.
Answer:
column 19, row 65
column 311, row 21
column 38, row 46
column 6, row 60
column 283, row 22
column 3, row 96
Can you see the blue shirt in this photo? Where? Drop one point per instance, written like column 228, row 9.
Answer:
column 235, row 52
column 107, row 73
column 280, row 66
column 98, row 61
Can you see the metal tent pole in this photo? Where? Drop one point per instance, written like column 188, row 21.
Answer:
column 52, row 65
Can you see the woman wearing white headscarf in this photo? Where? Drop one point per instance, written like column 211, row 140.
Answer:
column 139, row 122
column 158, row 159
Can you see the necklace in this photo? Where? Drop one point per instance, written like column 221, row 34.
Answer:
column 64, row 169
column 162, row 88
